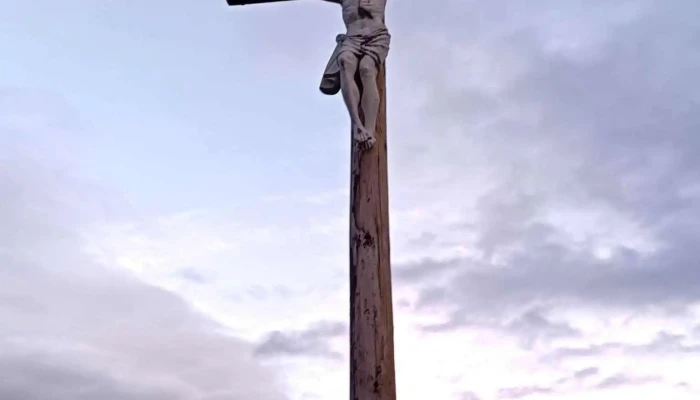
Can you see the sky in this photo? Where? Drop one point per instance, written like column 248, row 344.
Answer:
column 174, row 200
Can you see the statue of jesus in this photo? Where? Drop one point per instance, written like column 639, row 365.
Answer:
column 361, row 51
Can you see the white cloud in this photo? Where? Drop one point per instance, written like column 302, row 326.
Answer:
column 75, row 328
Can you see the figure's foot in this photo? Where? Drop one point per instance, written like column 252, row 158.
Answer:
column 365, row 139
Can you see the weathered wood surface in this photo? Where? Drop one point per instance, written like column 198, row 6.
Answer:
column 372, row 373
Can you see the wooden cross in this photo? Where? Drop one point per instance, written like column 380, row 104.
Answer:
column 372, row 371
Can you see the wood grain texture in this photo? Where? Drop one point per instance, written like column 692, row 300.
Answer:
column 372, row 372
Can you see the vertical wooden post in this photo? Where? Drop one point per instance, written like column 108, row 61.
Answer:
column 372, row 374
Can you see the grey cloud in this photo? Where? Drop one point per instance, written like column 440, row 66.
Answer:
column 578, row 378
column 553, row 273
column 310, row 342
column 531, row 327
column 577, row 105
column 663, row 344
column 626, row 380
column 29, row 377
column 610, row 125
column 470, row 396
column 258, row 292
column 75, row 329
column 586, row 373
column 421, row 271
column 523, row 391
column 192, row 275
column 588, row 351
column 424, row 239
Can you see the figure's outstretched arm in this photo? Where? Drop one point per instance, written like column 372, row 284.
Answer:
column 334, row 1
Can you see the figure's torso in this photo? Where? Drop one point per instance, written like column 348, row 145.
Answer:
column 363, row 17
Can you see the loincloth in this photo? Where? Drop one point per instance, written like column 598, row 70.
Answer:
column 375, row 46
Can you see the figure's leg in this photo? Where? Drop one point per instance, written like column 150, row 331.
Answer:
column 351, row 93
column 370, row 95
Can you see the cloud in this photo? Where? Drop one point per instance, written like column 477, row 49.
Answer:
column 588, row 140
column 562, row 386
column 553, row 149
column 192, row 275
column 470, row 396
column 523, row 391
column 32, row 377
column 662, row 345
column 586, row 373
column 310, row 342
column 77, row 329
column 620, row 380
column 533, row 326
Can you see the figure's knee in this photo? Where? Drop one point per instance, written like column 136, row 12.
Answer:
column 347, row 61
column 368, row 69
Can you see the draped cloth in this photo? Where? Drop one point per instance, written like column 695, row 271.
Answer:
column 374, row 45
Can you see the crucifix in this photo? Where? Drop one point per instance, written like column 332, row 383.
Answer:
column 356, row 69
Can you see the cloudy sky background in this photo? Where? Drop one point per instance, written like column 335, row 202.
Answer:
column 174, row 200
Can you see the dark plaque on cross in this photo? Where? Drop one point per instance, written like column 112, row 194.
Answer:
column 356, row 69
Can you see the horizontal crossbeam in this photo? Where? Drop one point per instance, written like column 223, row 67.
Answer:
column 246, row 2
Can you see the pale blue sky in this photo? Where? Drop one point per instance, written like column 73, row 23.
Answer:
column 177, row 107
